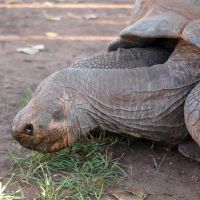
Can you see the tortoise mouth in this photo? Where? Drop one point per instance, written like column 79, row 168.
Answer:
column 58, row 144
column 51, row 144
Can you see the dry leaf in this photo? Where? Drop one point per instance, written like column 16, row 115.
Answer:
column 39, row 47
column 90, row 16
column 51, row 18
column 27, row 50
column 74, row 16
column 137, row 192
column 48, row 3
column 32, row 50
column 126, row 195
column 51, row 34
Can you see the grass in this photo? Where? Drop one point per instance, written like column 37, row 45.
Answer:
column 83, row 171
column 25, row 97
column 8, row 195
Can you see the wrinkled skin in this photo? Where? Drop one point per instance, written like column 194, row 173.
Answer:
column 72, row 102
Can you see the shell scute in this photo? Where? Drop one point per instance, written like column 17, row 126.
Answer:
column 156, row 26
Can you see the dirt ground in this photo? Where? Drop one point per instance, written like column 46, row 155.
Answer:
column 78, row 37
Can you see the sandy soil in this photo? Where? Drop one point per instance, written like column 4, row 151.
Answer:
column 178, row 177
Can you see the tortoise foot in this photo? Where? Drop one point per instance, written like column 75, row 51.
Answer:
column 190, row 149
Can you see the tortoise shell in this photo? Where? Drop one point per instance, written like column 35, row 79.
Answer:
column 151, row 19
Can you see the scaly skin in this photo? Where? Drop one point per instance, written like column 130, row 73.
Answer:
column 144, row 102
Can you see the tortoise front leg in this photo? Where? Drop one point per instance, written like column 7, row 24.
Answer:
column 191, row 149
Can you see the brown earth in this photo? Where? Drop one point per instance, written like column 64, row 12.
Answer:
column 178, row 177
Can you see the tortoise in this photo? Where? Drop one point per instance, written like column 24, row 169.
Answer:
column 147, row 86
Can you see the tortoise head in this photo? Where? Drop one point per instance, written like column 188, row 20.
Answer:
column 52, row 120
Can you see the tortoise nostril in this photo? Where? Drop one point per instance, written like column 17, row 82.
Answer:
column 28, row 129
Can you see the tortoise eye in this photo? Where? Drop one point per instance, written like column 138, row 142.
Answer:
column 29, row 129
